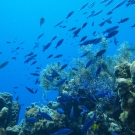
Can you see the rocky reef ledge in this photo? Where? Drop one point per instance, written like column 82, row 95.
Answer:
column 73, row 115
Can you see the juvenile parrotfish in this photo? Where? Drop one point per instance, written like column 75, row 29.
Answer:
column 72, row 113
column 119, row 4
column 70, row 14
column 35, row 74
column 2, row 65
column 59, row 43
column 63, row 131
column 31, row 119
column 54, row 73
column 50, row 79
column 133, row 26
column 111, row 29
column 123, row 20
column 110, row 12
column 42, row 20
column 44, row 115
column 34, row 62
column 92, row 4
column 92, row 24
column 100, row 53
column 30, row 90
column 112, row 34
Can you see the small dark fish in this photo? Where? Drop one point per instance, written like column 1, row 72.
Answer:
column 75, row 69
column 72, row 29
column 42, row 20
column 119, row 4
column 110, row 12
column 83, row 38
column 58, row 56
column 92, row 4
column 133, row 26
column 59, row 83
column 85, row 54
column 38, row 68
column 88, row 63
column 4, row 64
column 0, row 52
column 15, row 87
column 112, row 34
column 111, row 29
column 101, row 94
column 31, row 53
column 123, row 20
column 40, row 36
column 50, row 79
column 83, row 6
column 76, row 32
column 58, row 24
column 54, row 73
column 34, row 74
column 63, row 67
column 103, row 1
column 92, row 24
column 14, row 58
column 33, row 62
column 72, row 113
column 97, row 13
column 37, row 81
column 63, row 131
column 100, row 53
column 30, row 90
column 108, row 20
column 98, row 70
column 8, row 42
column 44, row 115
column 45, row 47
column 109, row 3
column 17, row 98
column 50, row 56
column 22, row 43
column 84, row 25
column 36, row 91
column 31, row 119
column 54, row 38
column 115, row 41
column 59, row 43
column 36, row 45
column 70, row 14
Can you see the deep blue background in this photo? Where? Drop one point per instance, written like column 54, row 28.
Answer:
column 20, row 19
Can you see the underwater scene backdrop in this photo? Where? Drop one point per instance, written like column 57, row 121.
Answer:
column 67, row 67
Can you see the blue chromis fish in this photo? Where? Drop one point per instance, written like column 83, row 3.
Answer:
column 60, row 111
column 63, row 131
column 31, row 119
column 44, row 115
column 100, row 53
column 42, row 20
column 54, row 73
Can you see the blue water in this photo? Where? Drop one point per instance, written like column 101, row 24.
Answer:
column 20, row 21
